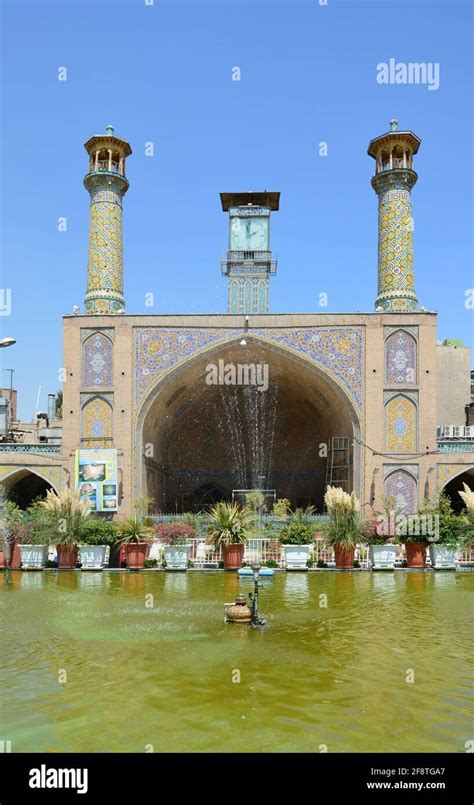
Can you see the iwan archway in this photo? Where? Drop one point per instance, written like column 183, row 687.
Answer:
column 23, row 486
column 456, row 484
column 198, row 439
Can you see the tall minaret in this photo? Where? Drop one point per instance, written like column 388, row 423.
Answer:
column 393, row 180
column 107, row 184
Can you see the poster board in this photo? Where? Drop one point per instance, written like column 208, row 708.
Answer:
column 96, row 478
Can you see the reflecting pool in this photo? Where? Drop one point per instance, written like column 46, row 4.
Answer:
column 124, row 662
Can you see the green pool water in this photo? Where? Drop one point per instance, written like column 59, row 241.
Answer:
column 161, row 676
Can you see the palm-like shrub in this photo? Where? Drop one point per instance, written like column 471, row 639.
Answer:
column 133, row 529
column 302, row 516
column 346, row 526
column 66, row 514
column 229, row 523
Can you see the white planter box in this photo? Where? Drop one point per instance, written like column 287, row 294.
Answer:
column 33, row 557
column 92, row 557
column 177, row 557
column 296, row 556
column 382, row 557
column 442, row 556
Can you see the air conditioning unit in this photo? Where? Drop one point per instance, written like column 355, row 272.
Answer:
column 458, row 431
column 469, row 432
column 448, row 431
column 440, row 432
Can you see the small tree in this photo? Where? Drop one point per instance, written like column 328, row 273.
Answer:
column 58, row 411
column 281, row 508
column 255, row 501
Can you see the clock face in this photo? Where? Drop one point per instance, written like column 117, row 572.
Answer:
column 249, row 234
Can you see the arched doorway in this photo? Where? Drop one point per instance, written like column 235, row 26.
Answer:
column 455, row 485
column 206, row 426
column 23, row 486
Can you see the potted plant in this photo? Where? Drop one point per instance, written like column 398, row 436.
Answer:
column 345, row 527
column 444, row 545
column 174, row 537
column 135, row 538
column 415, row 551
column 97, row 535
column 466, row 542
column 382, row 537
column 66, row 513
column 19, row 545
column 297, row 540
column 12, row 528
column 34, row 540
column 229, row 524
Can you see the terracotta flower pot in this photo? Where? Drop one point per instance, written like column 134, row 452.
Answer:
column 416, row 554
column 15, row 562
column 344, row 556
column 233, row 555
column 136, row 553
column 67, row 555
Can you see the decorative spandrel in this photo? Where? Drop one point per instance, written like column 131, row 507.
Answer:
column 400, row 424
column 402, row 486
column 400, row 358
column 96, row 430
column 97, row 361
column 337, row 351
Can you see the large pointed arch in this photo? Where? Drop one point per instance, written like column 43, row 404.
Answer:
column 24, row 484
column 175, row 384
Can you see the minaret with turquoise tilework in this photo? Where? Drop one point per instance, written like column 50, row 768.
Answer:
column 107, row 184
column 393, row 180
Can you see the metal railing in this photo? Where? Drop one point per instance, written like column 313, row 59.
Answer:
column 202, row 554
column 396, row 164
column 103, row 165
column 19, row 447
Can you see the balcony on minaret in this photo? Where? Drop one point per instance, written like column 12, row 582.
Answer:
column 393, row 159
column 107, row 153
column 105, row 162
column 394, row 151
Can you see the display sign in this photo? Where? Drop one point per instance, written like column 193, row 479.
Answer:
column 96, row 478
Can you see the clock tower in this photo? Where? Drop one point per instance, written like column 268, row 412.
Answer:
column 249, row 262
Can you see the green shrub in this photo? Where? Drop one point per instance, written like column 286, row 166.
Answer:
column 270, row 563
column 297, row 533
column 151, row 562
column 99, row 531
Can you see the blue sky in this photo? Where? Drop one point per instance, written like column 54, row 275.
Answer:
column 163, row 73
